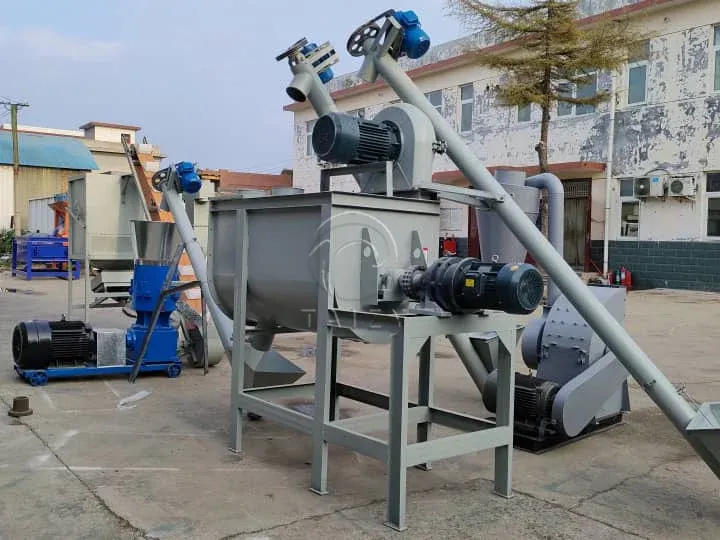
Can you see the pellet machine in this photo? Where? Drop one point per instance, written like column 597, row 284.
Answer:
column 44, row 350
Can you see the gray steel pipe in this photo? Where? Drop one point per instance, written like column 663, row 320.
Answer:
column 306, row 84
column 556, row 218
column 652, row 380
column 470, row 359
column 176, row 205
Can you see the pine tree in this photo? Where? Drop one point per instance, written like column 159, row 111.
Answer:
column 554, row 53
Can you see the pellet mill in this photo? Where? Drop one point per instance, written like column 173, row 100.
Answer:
column 101, row 207
column 361, row 266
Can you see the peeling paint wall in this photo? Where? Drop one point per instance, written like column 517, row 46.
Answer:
column 677, row 128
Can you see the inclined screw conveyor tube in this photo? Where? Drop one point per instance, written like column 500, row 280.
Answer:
column 652, row 380
column 172, row 198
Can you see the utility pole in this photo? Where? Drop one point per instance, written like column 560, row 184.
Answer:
column 14, row 106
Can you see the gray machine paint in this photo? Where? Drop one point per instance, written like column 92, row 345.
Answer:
column 263, row 366
column 282, row 294
column 337, row 275
column 497, row 242
column 700, row 427
column 102, row 239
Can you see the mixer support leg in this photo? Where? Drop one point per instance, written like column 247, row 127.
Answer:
column 405, row 347
column 426, row 385
column 237, row 383
column 505, row 414
column 323, row 404
column 334, row 398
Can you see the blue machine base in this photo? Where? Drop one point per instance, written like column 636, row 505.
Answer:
column 39, row 377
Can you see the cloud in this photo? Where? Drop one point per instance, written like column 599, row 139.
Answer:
column 46, row 43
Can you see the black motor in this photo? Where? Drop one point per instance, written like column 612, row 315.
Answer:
column 534, row 397
column 343, row 138
column 468, row 285
column 44, row 344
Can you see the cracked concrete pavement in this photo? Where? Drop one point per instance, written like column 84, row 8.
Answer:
column 83, row 467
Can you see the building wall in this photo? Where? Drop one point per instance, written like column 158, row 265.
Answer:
column 110, row 134
column 6, row 196
column 108, row 161
column 34, row 183
column 676, row 129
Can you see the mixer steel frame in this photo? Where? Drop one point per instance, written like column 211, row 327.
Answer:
column 410, row 335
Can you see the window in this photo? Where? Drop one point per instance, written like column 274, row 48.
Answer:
column 359, row 113
column 587, row 89
column 637, row 72
column 712, row 188
column 629, row 219
column 629, row 209
column 435, row 99
column 627, row 187
column 564, row 108
column 467, row 105
column 716, row 42
column 308, row 143
column 125, row 137
column 524, row 112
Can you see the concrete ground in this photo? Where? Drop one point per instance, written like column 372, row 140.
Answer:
column 86, row 466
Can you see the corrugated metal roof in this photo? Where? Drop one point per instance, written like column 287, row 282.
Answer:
column 47, row 151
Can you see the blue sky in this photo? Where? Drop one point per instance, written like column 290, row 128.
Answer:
column 200, row 77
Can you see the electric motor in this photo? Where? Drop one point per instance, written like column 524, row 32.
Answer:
column 534, row 397
column 43, row 344
column 343, row 138
column 468, row 285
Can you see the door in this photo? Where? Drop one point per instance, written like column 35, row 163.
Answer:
column 577, row 222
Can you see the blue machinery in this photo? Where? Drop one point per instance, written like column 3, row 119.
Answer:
column 44, row 350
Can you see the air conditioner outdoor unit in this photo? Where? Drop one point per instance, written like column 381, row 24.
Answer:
column 681, row 186
column 649, row 186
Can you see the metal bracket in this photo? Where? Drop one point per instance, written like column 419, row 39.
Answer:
column 417, row 256
column 368, row 271
column 470, row 197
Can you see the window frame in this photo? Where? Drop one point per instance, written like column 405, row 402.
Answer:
column 706, row 214
column 466, row 101
column 570, row 106
column 309, row 126
column 633, row 63
column 573, row 107
column 627, row 199
column 439, row 106
column 595, row 76
column 529, row 108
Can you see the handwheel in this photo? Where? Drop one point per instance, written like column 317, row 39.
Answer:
column 358, row 37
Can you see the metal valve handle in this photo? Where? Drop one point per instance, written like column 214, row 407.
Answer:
column 369, row 30
column 293, row 49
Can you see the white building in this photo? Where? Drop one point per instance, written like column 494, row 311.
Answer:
column 667, row 125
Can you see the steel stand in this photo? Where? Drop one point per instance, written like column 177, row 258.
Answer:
column 410, row 335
